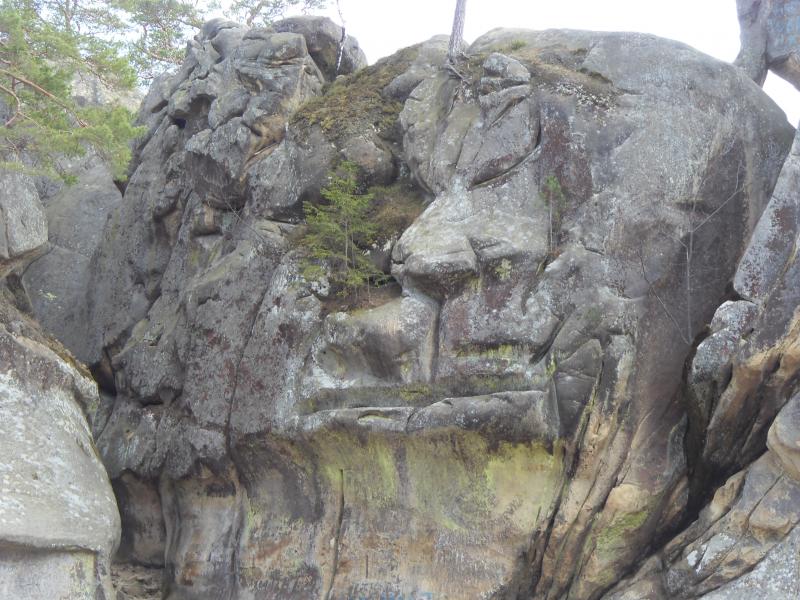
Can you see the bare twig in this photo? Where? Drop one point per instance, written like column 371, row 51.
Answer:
column 660, row 301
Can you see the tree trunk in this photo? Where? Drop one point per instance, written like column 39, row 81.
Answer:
column 457, row 36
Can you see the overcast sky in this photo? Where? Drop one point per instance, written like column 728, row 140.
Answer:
column 382, row 27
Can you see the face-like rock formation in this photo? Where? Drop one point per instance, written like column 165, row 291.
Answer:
column 507, row 419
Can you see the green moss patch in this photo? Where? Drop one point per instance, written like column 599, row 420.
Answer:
column 395, row 207
column 354, row 103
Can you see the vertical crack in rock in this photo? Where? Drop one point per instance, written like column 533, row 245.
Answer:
column 436, row 336
column 246, row 343
column 336, row 537
column 541, row 538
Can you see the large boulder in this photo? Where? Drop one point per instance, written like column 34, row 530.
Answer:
column 56, row 283
column 506, row 420
column 334, row 52
column 770, row 32
column 59, row 525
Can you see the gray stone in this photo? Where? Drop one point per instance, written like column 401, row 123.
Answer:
column 430, row 55
column 59, row 525
column 513, row 398
column 771, row 245
column 774, row 578
column 770, row 32
column 502, row 72
column 23, row 225
column 326, row 41
column 57, row 282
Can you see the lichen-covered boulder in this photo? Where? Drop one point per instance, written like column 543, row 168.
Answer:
column 505, row 420
column 59, row 525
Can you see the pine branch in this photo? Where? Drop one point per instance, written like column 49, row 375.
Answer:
column 18, row 110
column 44, row 92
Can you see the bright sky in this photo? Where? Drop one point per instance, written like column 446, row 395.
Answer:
column 711, row 26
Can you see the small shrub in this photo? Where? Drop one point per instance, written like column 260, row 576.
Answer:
column 556, row 202
column 338, row 234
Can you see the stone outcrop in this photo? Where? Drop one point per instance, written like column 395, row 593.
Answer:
column 744, row 397
column 745, row 371
column 507, row 419
column 59, row 525
column 23, row 225
column 770, row 32
column 76, row 215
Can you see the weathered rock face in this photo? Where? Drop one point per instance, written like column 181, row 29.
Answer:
column 76, row 215
column 509, row 421
column 23, row 225
column 743, row 396
column 59, row 524
column 745, row 371
column 770, row 32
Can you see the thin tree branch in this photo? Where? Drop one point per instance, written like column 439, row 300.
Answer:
column 18, row 110
column 44, row 92
column 660, row 301
column 721, row 206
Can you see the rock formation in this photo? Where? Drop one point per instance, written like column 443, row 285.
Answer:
column 59, row 525
column 509, row 419
column 580, row 383
column 743, row 396
column 770, row 31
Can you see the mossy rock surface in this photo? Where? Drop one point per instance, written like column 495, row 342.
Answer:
column 354, row 103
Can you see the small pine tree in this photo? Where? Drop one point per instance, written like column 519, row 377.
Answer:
column 338, row 234
column 555, row 200
column 41, row 51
